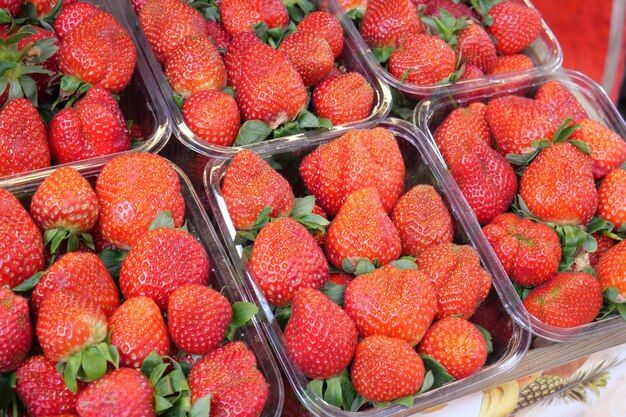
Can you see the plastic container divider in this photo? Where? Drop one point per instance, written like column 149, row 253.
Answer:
column 431, row 112
column 423, row 166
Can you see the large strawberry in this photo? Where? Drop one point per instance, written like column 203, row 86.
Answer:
column 235, row 54
column 612, row 198
column 161, row 261
column 569, row 299
column 320, row 337
column 21, row 251
column 310, row 54
column 71, row 16
column 240, row 15
column 94, row 126
column 386, row 22
column 562, row 103
column 511, row 63
column 286, row 257
column 385, row 369
column 608, row 149
column 343, row 98
column 514, row 27
column 325, row 25
column 16, row 332
column 250, row 185
column 359, row 159
column 422, row 59
column 213, row 116
column 475, row 47
column 611, row 269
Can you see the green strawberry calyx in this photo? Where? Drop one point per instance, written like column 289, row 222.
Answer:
column 255, row 131
column 298, row 9
column 445, row 27
column 614, row 302
column 89, row 364
column 242, row 314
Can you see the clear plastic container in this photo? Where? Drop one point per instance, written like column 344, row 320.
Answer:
column 140, row 101
column 350, row 58
column 423, row 167
column 545, row 52
column 432, row 112
column 223, row 277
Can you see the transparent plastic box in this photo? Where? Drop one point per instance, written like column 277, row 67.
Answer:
column 140, row 101
column 545, row 52
column 423, row 167
column 223, row 277
column 430, row 113
column 350, row 58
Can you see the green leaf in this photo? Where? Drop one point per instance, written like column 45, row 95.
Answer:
column 5, row 392
column 364, row 266
column 163, row 219
column 242, row 313
column 58, row 238
column 307, row 120
column 440, row 374
column 262, row 220
column 487, row 337
column 597, row 224
column 5, row 66
column 156, row 374
column 178, row 100
column 261, row 30
column 383, row 54
column 230, row 91
column 202, row 407
column 521, row 291
column 303, row 205
column 288, row 129
column 409, row 399
column 429, row 381
column 358, row 402
column 252, row 131
column 316, row 386
column 582, row 146
column 348, row 266
column 590, row 244
column 72, row 242
column 404, row 264
column 355, row 15
column 610, row 294
column 564, row 131
column 282, row 315
column 30, row 283
column 93, row 364
column 112, row 260
column 335, row 292
column 621, row 309
column 70, row 373
column 333, row 394
column 150, row 363
column 347, row 390
column 161, row 404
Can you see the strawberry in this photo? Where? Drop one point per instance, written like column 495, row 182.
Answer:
column 325, row 25
column 422, row 59
column 137, row 329
column 515, row 26
column 604, row 244
column 145, row 185
column 44, row 7
column 195, row 65
column 213, row 116
column 358, row 159
column 250, row 185
column 98, row 51
column 511, row 63
column 611, row 269
column 167, row 22
column 21, row 252
column 456, row 10
column 460, row 282
column 475, row 47
column 71, row 16
column 229, row 376
column 138, row 4
column 16, row 332
column 42, row 390
column 451, row 335
column 343, row 98
column 12, row 6
column 558, row 186
column 240, row 15
column 471, row 72
column 422, row 220
column 340, row 278
column 237, row 51
column 34, row 44
column 608, row 149
column 83, row 273
column 362, row 230
column 310, row 54
column 612, row 198
column 349, row 5
column 122, row 392
column 568, row 300
column 530, row 252
column 217, row 34
column 386, row 22
column 562, row 103
column 286, row 257
column 23, row 138
column 161, row 261
column 385, row 369
column 392, row 302
column 94, row 126
column 320, row 338
column 197, row 318
column 494, row 318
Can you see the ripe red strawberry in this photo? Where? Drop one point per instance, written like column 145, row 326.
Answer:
column 530, row 252
column 608, row 149
column 611, row 269
column 569, row 299
column 341, row 278
column 358, row 159
column 145, row 185
column 515, row 122
column 471, row 72
column 195, row 65
column 320, row 337
column 422, row 59
column 138, row 4
column 286, row 257
column 266, row 73
column 558, row 186
column 81, row 272
column 510, row 63
column 348, row 5
column 451, row 335
column 604, row 244
column 23, row 138
column 44, row 7
column 310, row 54
column 94, row 126
column 362, row 230
column 213, row 116
column 422, row 220
column 21, row 254
column 385, row 369
column 230, row 376
column 456, row 10
column 167, row 22
column 475, row 47
column 71, row 16
column 249, row 186
column 122, row 392
column 16, row 332
column 161, row 261
column 99, row 51
column 457, row 277
column 515, row 26
column 386, row 22
column 561, row 101
column 392, row 302
column 343, row 98
column 612, row 198
column 217, row 34
column 137, row 329
column 13, row 6
column 240, row 15
column 42, row 390
column 235, row 54
column 197, row 318
column 324, row 25
column 494, row 318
